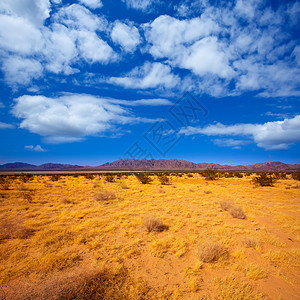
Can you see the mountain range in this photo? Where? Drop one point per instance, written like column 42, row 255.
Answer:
column 152, row 164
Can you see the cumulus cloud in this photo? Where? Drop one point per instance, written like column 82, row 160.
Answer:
column 72, row 117
column 36, row 148
column 127, row 37
column 225, row 55
column 93, row 4
column 277, row 135
column 150, row 75
column 143, row 5
column 34, row 11
column 20, row 70
column 29, row 49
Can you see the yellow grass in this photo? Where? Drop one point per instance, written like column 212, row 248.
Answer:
column 63, row 235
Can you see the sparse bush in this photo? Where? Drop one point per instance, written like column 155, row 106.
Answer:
column 89, row 176
column 27, row 196
column 238, row 175
column 207, row 192
column 105, row 196
column 163, row 179
column 237, row 212
column 55, row 177
column 65, row 200
column 210, row 174
column 109, row 178
column 14, row 229
column 250, row 242
column 143, row 178
column 225, row 205
column 296, row 175
column 124, row 186
column 211, row 251
column 279, row 175
column 263, row 180
column 153, row 224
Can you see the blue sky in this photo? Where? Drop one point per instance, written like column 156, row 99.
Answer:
column 89, row 81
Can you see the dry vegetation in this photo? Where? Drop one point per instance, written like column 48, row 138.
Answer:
column 208, row 235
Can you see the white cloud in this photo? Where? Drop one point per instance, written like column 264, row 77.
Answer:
column 150, row 75
column 2, row 105
column 126, row 36
column 36, row 148
column 235, row 144
column 93, row 4
column 32, row 10
column 6, row 126
column 78, row 17
column 19, row 36
column 143, row 5
column 20, row 70
column 72, row 117
column 93, row 49
column 277, row 135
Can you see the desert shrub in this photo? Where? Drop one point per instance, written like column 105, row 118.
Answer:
column 105, row 196
column 153, row 224
column 143, row 177
column 210, row 174
column 89, row 176
column 263, row 180
column 65, row 200
column 109, row 178
column 55, row 177
column 124, row 186
column 237, row 212
column 190, row 175
column 279, row 175
column 250, row 242
column 229, row 174
column 225, row 205
column 21, row 187
column 207, row 192
column 211, row 251
column 27, row 196
column 14, row 229
column 238, row 175
column 163, row 178
column 84, row 284
column 4, row 182
column 296, row 175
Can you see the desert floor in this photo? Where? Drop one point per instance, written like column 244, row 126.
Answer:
column 75, row 237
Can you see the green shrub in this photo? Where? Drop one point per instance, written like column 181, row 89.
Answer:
column 263, row 180
column 296, row 175
column 210, row 174
column 163, row 178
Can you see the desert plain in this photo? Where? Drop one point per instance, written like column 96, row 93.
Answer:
column 109, row 236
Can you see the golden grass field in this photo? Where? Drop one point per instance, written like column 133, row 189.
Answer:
column 83, row 238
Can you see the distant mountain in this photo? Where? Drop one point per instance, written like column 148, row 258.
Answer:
column 18, row 166
column 152, row 164
column 179, row 164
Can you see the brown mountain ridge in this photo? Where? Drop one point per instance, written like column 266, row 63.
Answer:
column 152, row 164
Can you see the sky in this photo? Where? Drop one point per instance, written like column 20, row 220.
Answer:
column 92, row 81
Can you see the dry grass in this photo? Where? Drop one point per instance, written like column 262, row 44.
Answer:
column 105, row 196
column 153, row 224
column 211, row 251
column 225, row 205
column 14, row 229
column 237, row 212
column 66, row 200
column 250, row 242
column 77, row 245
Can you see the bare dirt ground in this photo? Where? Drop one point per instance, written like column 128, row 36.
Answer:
column 81, row 237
